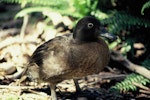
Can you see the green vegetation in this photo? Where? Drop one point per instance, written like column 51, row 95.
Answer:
column 128, row 83
column 145, row 6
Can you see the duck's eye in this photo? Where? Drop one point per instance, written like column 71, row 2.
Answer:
column 90, row 25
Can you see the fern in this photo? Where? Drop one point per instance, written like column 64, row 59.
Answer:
column 121, row 20
column 74, row 8
column 146, row 5
column 36, row 9
column 128, row 85
column 38, row 2
column 77, row 8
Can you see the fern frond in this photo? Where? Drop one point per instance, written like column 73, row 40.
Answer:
column 76, row 8
column 121, row 20
column 146, row 5
column 128, row 85
column 99, row 14
column 38, row 2
column 30, row 10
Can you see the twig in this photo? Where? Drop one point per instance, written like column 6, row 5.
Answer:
column 116, row 56
column 111, row 77
column 39, row 93
column 116, row 77
column 20, row 87
column 141, row 86
column 110, row 69
column 23, row 28
column 7, row 32
column 7, row 68
column 15, row 75
column 11, row 40
column 144, row 91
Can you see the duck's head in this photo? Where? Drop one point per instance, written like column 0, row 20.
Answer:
column 89, row 28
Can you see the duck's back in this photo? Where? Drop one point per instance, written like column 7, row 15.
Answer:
column 64, row 58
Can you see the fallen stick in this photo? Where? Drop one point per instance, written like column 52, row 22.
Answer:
column 20, row 87
column 11, row 31
column 112, row 77
column 11, row 40
column 144, row 91
column 141, row 86
column 13, row 76
column 116, row 56
column 7, row 68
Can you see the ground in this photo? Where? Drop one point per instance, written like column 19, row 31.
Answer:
column 15, row 52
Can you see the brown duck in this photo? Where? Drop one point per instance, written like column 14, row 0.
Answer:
column 71, row 56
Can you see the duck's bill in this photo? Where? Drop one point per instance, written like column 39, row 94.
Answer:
column 109, row 36
column 106, row 34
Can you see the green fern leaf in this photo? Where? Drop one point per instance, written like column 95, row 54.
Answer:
column 146, row 5
column 122, row 21
column 127, row 84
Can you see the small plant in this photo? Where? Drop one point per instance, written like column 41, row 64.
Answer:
column 123, row 21
column 145, row 6
column 128, row 83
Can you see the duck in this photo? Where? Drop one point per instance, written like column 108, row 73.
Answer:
column 71, row 56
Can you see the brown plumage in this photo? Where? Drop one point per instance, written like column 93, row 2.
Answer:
column 70, row 56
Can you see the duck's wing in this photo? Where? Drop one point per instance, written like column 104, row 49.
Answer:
column 50, row 58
